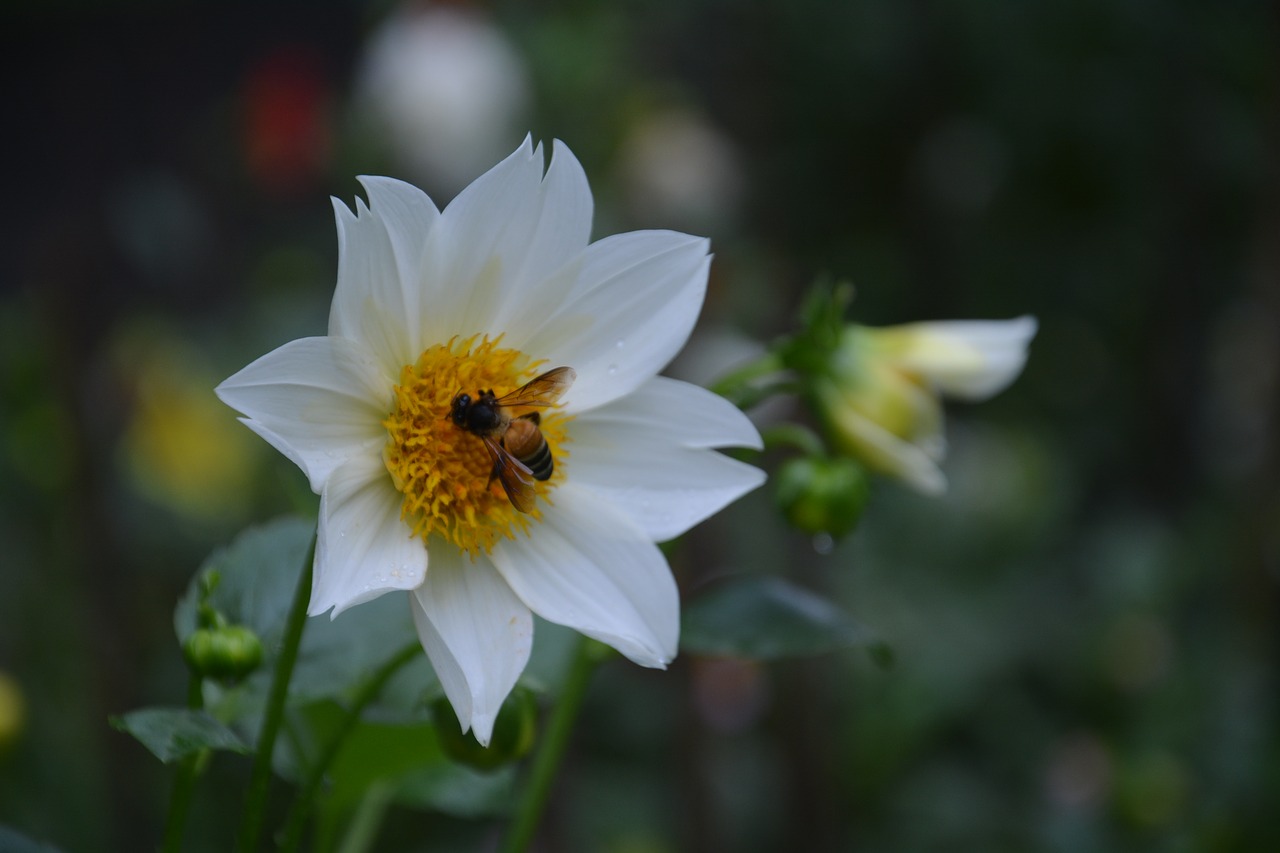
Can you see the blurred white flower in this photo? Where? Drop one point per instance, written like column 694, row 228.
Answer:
column 882, row 400
column 447, row 91
column 492, row 292
column 678, row 168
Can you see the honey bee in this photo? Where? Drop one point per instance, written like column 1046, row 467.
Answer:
column 519, row 450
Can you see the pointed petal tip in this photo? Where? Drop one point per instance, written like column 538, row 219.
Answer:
column 930, row 483
column 481, row 726
column 341, row 211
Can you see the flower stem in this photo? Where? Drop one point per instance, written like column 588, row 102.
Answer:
column 754, row 382
column 793, row 435
column 554, row 742
column 296, row 820
column 260, row 778
column 184, row 783
column 362, row 832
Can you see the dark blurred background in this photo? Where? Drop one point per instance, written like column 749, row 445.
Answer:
column 1084, row 630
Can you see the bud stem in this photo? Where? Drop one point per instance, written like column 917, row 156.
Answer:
column 184, row 782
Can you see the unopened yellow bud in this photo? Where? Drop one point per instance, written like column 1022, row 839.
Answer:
column 881, row 399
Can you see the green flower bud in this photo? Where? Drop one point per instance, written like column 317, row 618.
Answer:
column 513, row 732
column 227, row 653
column 820, row 495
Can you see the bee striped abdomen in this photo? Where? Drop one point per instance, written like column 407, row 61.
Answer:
column 524, row 441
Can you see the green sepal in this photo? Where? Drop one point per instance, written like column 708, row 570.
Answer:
column 822, row 323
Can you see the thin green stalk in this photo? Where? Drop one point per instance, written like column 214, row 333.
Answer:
column 363, row 829
column 184, row 782
column 767, row 364
column 260, row 778
column 793, row 435
column 296, row 820
column 551, row 751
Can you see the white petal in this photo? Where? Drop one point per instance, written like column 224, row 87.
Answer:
column 371, row 300
column 635, row 302
column 319, row 401
column 534, row 290
column 477, row 634
column 408, row 216
column 483, row 236
column 363, row 549
column 664, row 494
column 645, row 454
column 686, row 414
column 969, row 359
column 588, row 567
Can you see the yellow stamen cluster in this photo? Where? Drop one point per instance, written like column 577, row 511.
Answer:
column 443, row 470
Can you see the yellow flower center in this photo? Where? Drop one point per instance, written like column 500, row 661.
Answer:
column 445, row 471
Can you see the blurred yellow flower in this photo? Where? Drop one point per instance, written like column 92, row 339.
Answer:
column 882, row 404
column 13, row 711
column 178, row 448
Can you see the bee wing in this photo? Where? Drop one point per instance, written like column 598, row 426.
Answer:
column 542, row 390
column 516, row 478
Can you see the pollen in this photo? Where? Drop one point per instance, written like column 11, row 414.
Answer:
column 444, row 471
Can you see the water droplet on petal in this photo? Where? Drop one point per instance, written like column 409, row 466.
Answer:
column 613, row 368
column 621, row 343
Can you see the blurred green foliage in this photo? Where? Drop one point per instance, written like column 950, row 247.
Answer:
column 1084, row 629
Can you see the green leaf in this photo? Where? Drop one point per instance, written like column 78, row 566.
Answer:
column 174, row 733
column 554, row 650
column 256, row 574
column 408, row 758
column 766, row 618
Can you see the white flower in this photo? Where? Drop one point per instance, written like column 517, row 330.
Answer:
column 496, row 289
column 882, row 403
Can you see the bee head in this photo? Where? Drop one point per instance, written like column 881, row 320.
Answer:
column 458, row 412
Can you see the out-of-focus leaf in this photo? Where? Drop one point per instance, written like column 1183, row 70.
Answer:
column 256, row 575
column 554, row 649
column 174, row 733
column 406, row 757
column 459, row 790
column 766, row 618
